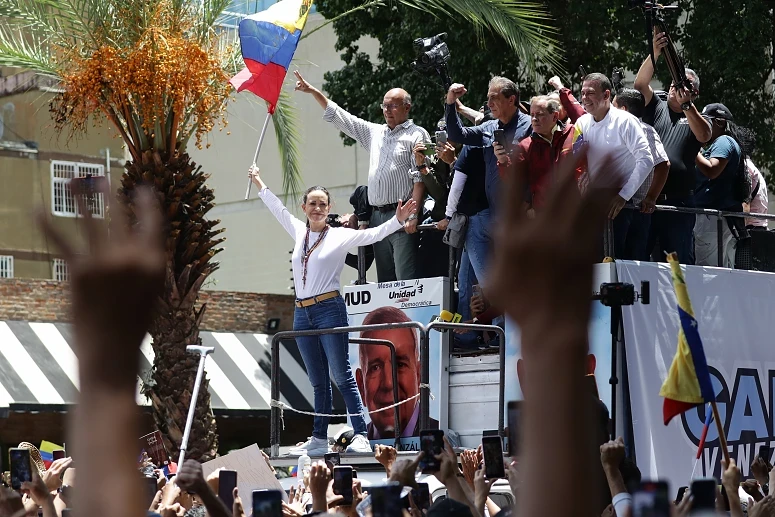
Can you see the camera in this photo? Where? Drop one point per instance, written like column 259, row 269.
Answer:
column 432, row 57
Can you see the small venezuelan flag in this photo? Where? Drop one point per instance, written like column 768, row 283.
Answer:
column 47, row 452
column 688, row 381
column 268, row 41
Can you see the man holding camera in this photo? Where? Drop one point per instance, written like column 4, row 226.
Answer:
column 513, row 125
column 391, row 162
column 683, row 131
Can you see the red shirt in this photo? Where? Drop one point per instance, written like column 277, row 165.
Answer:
column 536, row 158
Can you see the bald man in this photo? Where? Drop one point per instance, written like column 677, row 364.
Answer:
column 393, row 173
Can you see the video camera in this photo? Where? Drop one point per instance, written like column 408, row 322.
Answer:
column 432, row 57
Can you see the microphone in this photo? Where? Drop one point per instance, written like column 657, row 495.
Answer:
column 448, row 317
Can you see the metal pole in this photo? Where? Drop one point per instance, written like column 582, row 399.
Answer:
column 203, row 351
column 394, row 375
column 258, row 148
column 720, row 240
column 425, row 378
column 274, row 420
column 616, row 313
column 361, row 265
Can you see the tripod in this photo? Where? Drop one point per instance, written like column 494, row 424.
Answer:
column 615, row 295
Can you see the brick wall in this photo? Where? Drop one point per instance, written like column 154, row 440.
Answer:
column 47, row 300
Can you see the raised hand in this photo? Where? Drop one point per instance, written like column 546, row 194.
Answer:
column 404, row 210
column 301, row 84
column 555, row 83
column 551, row 254
column 660, row 42
column 419, row 154
column 446, row 153
column 114, row 288
column 191, row 478
column 456, row 91
column 53, row 476
column 612, row 453
column 254, row 173
column 319, row 478
column 386, row 456
column 403, row 471
column 470, row 463
column 237, row 509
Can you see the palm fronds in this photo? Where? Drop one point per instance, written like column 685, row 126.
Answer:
column 288, row 141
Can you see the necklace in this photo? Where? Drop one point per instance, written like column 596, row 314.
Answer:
column 307, row 253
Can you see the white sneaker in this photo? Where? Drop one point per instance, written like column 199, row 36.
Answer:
column 359, row 444
column 312, row 447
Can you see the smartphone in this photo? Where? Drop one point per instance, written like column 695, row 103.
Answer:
column 151, row 487
column 490, row 432
column 386, row 500
column 765, row 453
column 651, row 500
column 492, row 449
column 332, row 460
column 681, row 492
column 422, row 496
column 500, row 136
column 58, row 454
column 227, row 482
column 704, row 493
column 431, row 444
column 513, row 409
column 441, row 137
column 343, row 484
column 267, row 503
column 21, row 468
column 430, row 149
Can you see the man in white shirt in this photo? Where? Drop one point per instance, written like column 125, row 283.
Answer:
column 616, row 138
column 391, row 176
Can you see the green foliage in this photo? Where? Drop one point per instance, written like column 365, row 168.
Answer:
column 733, row 58
column 735, row 61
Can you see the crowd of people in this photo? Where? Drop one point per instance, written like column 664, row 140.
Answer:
column 114, row 285
column 670, row 153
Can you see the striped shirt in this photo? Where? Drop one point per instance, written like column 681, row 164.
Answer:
column 391, row 159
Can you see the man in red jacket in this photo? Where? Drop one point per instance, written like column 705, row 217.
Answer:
column 538, row 155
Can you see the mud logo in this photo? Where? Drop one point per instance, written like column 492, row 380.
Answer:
column 746, row 411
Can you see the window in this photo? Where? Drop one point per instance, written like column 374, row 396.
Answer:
column 6, row 266
column 62, row 199
column 60, row 273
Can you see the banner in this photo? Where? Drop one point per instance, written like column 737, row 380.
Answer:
column 394, row 302
column 736, row 320
column 599, row 359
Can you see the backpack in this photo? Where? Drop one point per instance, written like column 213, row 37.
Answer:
column 742, row 189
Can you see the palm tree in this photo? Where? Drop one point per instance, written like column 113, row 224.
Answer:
column 157, row 70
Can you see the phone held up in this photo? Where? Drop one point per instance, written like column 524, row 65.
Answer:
column 267, row 503
column 227, row 482
column 431, row 444
column 492, row 449
column 21, row 468
column 343, row 484
column 651, row 500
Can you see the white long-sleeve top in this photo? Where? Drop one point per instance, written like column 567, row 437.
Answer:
column 620, row 136
column 325, row 265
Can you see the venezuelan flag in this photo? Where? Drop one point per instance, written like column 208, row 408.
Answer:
column 268, row 41
column 688, row 381
column 47, row 452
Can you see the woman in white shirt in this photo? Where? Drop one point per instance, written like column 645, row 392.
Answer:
column 318, row 258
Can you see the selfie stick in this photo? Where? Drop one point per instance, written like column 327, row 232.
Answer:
column 258, row 149
column 203, row 351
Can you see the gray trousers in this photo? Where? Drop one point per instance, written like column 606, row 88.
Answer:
column 395, row 255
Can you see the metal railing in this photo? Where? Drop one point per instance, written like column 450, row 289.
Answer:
column 424, row 330
column 720, row 215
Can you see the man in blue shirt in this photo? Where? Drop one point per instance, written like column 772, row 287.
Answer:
column 717, row 166
column 503, row 101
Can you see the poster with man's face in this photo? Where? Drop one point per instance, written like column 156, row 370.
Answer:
column 397, row 302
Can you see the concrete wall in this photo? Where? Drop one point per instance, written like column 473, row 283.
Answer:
column 25, row 178
column 255, row 256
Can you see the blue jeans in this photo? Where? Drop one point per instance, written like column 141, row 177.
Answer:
column 328, row 351
column 473, row 264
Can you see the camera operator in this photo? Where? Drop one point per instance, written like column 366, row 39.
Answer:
column 683, row 131
column 503, row 101
column 436, row 174
column 389, row 176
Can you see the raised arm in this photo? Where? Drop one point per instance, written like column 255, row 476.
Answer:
column 372, row 235
column 568, row 101
column 291, row 224
column 469, row 113
column 455, row 130
column 646, row 70
column 351, row 125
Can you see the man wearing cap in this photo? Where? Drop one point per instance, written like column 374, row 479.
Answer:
column 683, row 131
column 718, row 164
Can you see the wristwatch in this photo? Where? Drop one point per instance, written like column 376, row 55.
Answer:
column 411, row 218
column 687, row 106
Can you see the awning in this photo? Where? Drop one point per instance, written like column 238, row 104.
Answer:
column 38, row 368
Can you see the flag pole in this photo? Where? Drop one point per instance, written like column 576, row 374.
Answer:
column 722, row 438
column 258, row 149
